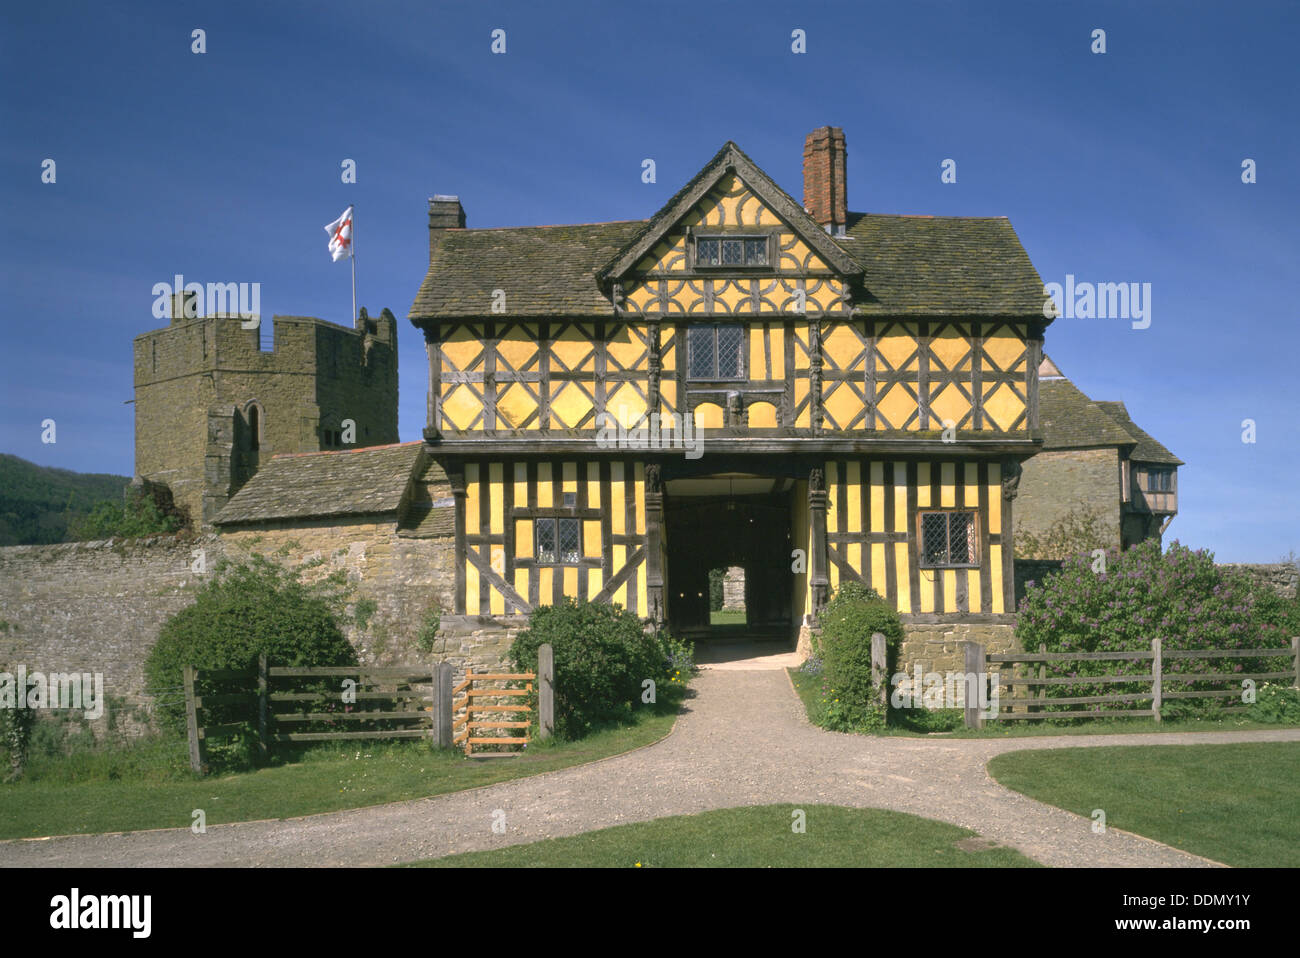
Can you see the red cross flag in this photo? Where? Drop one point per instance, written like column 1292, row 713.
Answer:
column 340, row 232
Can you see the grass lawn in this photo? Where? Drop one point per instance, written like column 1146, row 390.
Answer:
column 322, row 780
column 949, row 722
column 758, row 837
column 727, row 617
column 1238, row 804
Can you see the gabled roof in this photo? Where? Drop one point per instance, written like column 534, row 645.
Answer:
column 317, row 485
column 1147, row 448
column 899, row 265
column 729, row 159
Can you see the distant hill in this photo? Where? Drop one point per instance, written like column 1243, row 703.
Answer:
column 37, row 502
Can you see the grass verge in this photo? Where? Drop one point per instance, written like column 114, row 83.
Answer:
column 1238, row 804
column 758, row 837
column 138, row 793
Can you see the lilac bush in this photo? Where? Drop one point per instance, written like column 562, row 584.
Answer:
column 1179, row 596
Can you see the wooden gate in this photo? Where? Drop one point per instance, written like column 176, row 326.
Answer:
column 474, row 705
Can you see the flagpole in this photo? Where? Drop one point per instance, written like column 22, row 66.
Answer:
column 353, row 257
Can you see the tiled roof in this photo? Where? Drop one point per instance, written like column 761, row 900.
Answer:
column 543, row 270
column 943, row 264
column 1147, row 449
column 368, row 481
column 917, row 265
column 1070, row 420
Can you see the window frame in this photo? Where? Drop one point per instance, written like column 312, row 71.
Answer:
column 742, row 374
column 976, row 546
column 742, row 238
column 555, row 521
column 1159, row 479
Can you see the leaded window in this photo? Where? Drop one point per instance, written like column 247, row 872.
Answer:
column 713, row 251
column 1160, row 480
column 948, row 539
column 558, row 541
column 716, row 351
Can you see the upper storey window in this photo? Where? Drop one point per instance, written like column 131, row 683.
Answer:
column 726, row 251
column 717, row 351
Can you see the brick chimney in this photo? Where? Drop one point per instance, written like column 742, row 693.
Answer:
column 445, row 213
column 824, row 189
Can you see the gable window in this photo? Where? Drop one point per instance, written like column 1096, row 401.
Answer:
column 1160, row 480
column 720, row 251
column 716, row 351
column 558, row 541
column 948, row 539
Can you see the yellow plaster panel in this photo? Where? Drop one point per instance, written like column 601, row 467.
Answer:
column 995, row 498
column 709, row 415
column 947, row 485
column 832, row 497
column 570, row 585
column 518, row 346
column 595, row 579
column 778, row 351
column 762, row 415
column 569, row 477
column 900, row 497
column 573, row 347
column 949, row 346
column 460, row 408
column 878, row 567
column 593, row 485
column 1002, row 406
column 923, row 485
column 462, row 347
column 843, row 404
column 971, row 484
column 521, row 582
column 995, row 572
column 472, row 492
column 496, row 499
column 853, row 489
column 515, row 404
column 472, row 606
column 901, row 575
column 627, row 349
column 925, row 582
column 569, row 405
column 625, row 404
column 545, row 584
column 895, row 348
column 617, row 508
column 950, row 588
column 1004, row 350
column 524, row 538
column 949, row 406
column 973, row 589
column 878, row 498
column 896, row 405
column 545, row 497
column 591, row 538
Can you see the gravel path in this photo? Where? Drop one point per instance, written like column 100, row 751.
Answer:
column 743, row 740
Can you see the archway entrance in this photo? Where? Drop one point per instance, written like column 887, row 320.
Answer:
column 724, row 522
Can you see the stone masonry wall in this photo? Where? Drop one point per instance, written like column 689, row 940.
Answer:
column 98, row 606
column 1056, row 483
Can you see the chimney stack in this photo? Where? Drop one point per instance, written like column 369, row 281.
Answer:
column 445, row 213
column 824, row 190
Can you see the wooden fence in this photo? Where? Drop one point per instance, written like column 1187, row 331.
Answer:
column 474, row 704
column 287, row 705
column 1028, row 705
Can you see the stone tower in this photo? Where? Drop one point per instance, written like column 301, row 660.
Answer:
column 211, row 403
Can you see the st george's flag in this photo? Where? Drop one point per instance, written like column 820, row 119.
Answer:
column 340, row 232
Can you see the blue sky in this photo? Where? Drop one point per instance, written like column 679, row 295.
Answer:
column 1120, row 167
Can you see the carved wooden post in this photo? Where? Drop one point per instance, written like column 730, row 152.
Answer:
column 815, row 374
column 654, row 526
column 975, row 665
column 545, row 691
column 818, row 560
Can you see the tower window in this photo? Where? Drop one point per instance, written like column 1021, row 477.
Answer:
column 716, row 351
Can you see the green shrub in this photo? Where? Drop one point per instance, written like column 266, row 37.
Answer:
column 247, row 609
column 602, row 656
column 847, row 623
column 1179, row 596
column 715, row 589
column 428, row 634
column 1276, row 703
column 138, row 516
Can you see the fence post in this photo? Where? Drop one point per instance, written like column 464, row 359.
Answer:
column 263, row 701
column 442, row 676
column 975, row 664
column 879, row 680
column 192, row 721
column 545, row 691
column 1157, row 687
column 1295, row 654
column 1042, row 674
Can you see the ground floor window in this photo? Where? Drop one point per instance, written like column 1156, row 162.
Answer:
column 948, row 539
column 558, row 541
